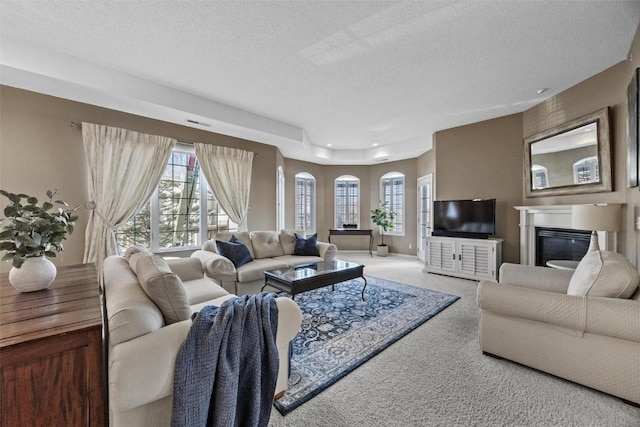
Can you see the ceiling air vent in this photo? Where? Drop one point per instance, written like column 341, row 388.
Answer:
column 195, row 122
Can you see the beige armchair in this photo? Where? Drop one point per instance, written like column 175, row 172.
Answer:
column 594, row 341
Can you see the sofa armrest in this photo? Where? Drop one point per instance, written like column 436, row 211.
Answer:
column 141, row 370
column 215, row 265
column 612, row 317
column 534, row 277
column 289, row 320
column 327, row 250
column 567, row 311
column 186, row 268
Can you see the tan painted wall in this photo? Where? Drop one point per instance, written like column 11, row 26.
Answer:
column 606, row 89
column 39, row 149
column 484, row 160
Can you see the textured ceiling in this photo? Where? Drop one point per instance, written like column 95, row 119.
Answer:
column 329, row 82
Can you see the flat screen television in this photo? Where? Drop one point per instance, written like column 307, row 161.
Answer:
column 475, row 219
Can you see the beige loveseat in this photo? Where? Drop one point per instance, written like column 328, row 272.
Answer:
column 584, row 337
column 270, row 250
column 143, row 343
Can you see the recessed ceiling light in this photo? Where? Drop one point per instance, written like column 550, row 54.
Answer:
column 375, row 144
column 543, row 90
column 329, row 145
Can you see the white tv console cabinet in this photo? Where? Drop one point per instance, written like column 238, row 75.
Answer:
column 476, row 259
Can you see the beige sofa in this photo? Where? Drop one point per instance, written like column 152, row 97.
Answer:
column 142, row 345
column 529, row 318
column 270, row 250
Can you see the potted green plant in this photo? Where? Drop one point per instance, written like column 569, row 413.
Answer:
column 32, row 233
column 383, row 217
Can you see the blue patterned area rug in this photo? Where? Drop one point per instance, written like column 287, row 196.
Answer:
column 341, row 332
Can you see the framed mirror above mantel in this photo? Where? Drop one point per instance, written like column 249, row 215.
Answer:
column 572, row 158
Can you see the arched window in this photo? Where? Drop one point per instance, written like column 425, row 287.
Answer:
column 586, row 170
column 392, row 193
column 280, row 199
column 347, row 191
column 305, row 202
column 539, row 176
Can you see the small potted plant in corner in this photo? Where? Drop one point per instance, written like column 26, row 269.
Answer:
column 383, row 217
column 33, row 233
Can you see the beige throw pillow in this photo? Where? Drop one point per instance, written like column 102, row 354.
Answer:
column 162, row 286
column 287, row 241
column 266, row 244
column 604, row 274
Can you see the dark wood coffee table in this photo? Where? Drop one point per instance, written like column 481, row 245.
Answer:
column 302, row 278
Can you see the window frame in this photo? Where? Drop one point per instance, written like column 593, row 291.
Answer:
column 280, row 201
column 346, row 179
column 154, row 212
column 593, row 171
column 535, row 170
column 399, row 222
column 310, row 201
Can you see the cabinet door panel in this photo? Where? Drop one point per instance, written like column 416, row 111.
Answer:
column 475, row 259
column 48, row 392
column 441, row 255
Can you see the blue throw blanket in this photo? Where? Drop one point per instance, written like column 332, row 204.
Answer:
column 227, row 368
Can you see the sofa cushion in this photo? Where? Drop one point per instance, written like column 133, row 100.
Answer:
column 253, row 270
column 235, row 250
column 201, row 290
column 266, row 244
column 163, row 286
column 293, row 260
column 306, row 247
column 604, row 274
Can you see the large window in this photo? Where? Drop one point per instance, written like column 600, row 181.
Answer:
column 180, row 211
column 305, row 203
column 347, row 201
column 392, row 193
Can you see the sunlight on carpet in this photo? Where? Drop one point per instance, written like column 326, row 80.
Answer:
column 341, row 332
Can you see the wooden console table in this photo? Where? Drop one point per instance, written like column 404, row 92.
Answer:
column 51, row 344
column 353, row 232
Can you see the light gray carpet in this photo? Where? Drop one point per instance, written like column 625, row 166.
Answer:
column 437, row 376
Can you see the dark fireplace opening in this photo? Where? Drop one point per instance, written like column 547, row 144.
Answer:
column 560, row 244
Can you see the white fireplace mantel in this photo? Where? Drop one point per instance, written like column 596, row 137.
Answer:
column 553, row 216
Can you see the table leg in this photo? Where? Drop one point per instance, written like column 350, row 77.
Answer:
column 364, row 287
column 371, row 244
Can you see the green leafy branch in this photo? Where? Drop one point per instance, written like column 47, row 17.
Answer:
column 34, row 230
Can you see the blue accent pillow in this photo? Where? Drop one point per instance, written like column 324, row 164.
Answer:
column 307, row 247
column 235, row 250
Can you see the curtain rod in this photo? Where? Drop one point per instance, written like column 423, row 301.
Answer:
column 79, row 126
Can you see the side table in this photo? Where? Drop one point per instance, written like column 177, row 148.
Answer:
column 52, row 355
column 563, row 264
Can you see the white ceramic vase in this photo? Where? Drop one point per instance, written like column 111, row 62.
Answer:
column 35, row 274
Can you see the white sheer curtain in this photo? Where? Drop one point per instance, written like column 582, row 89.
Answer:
column 228, row 172
column 125, row 167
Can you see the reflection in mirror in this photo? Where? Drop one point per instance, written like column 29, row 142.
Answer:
column 571, row 158
column 566, row 159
